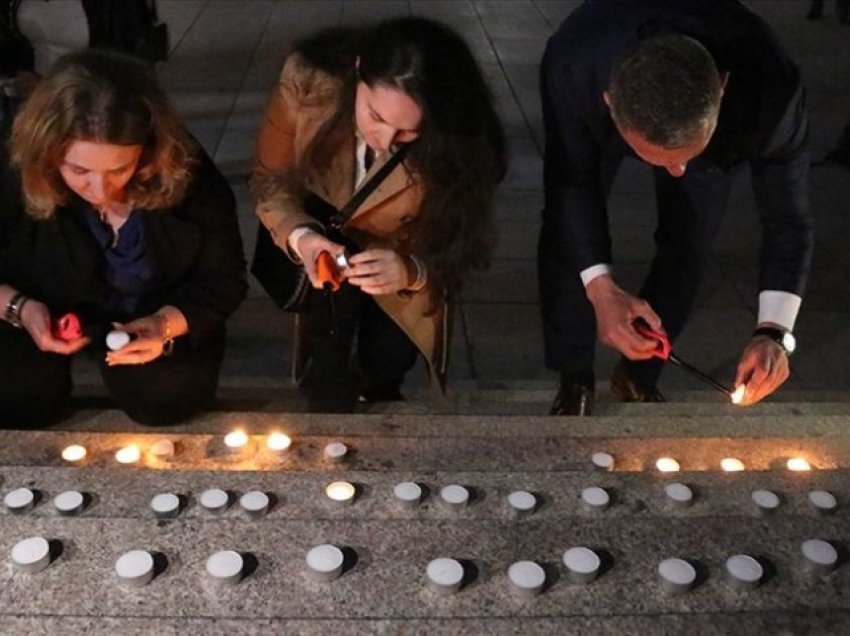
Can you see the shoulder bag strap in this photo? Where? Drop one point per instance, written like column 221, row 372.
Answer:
column 338, row 220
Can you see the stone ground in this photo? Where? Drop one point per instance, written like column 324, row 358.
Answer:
column 226, row 55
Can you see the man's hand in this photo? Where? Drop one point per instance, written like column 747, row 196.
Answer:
column 616, row 310
column 763, row 369
column 147, row 345
column 377, row 271
column 36, row 319
column 310, row 246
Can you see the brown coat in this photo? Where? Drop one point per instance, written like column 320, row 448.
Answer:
column 302, row 101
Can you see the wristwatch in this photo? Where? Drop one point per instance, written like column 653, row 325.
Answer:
column 784, row 339
column 12, row 315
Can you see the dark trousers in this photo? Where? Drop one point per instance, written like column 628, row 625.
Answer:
column 690, row 210
column 35, row 386
column 368, row 352
column 842, row 9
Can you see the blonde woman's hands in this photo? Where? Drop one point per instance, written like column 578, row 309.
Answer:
column 310, row 245
column 378, row 271
column 36, row 319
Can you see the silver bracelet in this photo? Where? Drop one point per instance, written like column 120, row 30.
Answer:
column 421, row 274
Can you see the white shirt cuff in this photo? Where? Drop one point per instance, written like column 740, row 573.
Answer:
column 294, row 235
column 593, row 271
column 779, row 307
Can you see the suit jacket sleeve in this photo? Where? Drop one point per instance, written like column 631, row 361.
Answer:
column 574, row 198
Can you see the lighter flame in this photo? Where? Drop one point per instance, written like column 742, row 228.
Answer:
column 236, row 440
column 128, row 454
column 737, row 395
column 667, row 465
column 73, row 453
column 278, row 442
column 340, row 491
column 798, row 464
column 731, row 465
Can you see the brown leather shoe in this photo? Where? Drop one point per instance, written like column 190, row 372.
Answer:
column 573, row 399
column 630, row 390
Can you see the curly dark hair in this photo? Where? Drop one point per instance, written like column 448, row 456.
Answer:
column 667, row 88
column 460, row 153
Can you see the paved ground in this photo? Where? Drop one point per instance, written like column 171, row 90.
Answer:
column 226, row 55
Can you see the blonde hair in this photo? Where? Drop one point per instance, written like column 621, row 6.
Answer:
column 105, row 97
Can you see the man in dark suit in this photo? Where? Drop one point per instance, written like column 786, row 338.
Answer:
column 697, row 89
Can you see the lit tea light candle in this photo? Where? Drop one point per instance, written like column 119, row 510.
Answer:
column 128, row 454
column 31, row 555
column 163, row 449
column 526, row 578
column 731, row 465
column 798, row 464
column 737, row 395
column 236, row 440
column 341, row 491
column 667, row 465
column 74, row 453
column 278, row 442
column 336, row 451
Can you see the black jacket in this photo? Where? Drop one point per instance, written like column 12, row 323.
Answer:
column 195, row 245
column 762, row 121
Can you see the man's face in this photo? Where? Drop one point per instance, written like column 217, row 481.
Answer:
column 673, row 160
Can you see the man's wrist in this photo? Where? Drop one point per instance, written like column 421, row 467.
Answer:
column 780, row 336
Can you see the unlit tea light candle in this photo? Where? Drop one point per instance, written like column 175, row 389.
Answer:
column 165, row 505
column 823, row 501
column 225, row 567
column 69, row 502
column 454, row 496
column 766, row 501
column 31, row 555
column 324, row 562
column 522, row 502
column 444, row 576
column 595, row 499
column 214, row 500
column 820, row 556
column 163, row 449
column 679, row 495
column 408, row 493
column 74, row 453
column 603, row 461
column 117, row 339
column 744, row 571
column 526, row 578
column 255, row 503
column 582, row 564
column 135, row 568
column 677, row 575
column 336, row 451
column 19, row 500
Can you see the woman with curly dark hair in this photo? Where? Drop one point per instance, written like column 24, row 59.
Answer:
column 346, row 102
column 112, row 213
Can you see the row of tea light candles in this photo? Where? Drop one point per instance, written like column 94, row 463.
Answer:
column 237, row 441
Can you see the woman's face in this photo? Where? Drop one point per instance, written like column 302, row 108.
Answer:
column 99, row 172
column 386, row 116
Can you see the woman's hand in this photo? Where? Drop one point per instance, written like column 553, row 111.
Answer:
column 377, row 271
column 310, row 246
column 147, row 343
column 36, row 319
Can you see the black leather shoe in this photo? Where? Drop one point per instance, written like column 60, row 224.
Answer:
column 631, row 390
column 384, row 394
column 573, row 398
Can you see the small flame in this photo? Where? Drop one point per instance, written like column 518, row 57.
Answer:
column 731, row 465
column 737, row 395
column 667, row 465
column 278, row 441
column 74, row 453
column 128, row 454
column 798, row 464
column 236, row 439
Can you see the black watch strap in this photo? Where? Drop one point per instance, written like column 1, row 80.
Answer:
column 779, row 336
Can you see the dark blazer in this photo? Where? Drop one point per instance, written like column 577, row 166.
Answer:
column 195, row 245
column 762, row 121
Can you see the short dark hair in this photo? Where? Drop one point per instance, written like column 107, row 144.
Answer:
column 666, row 88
